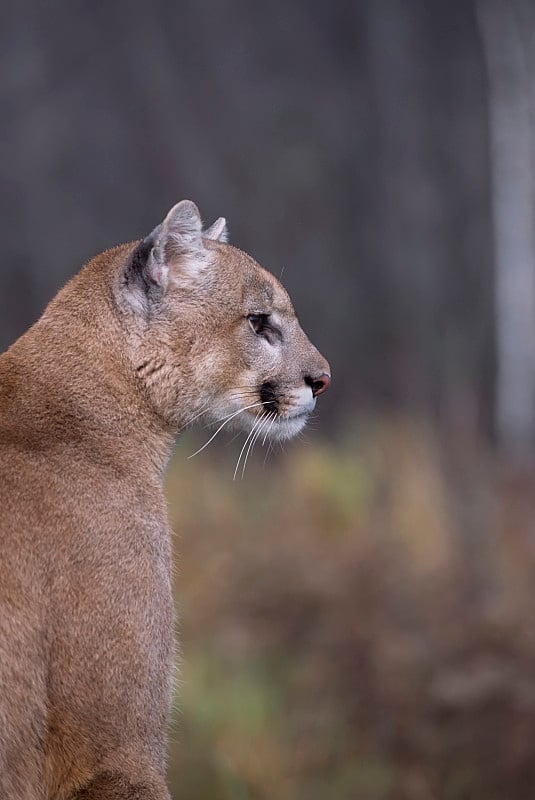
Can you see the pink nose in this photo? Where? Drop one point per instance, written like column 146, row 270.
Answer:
column 319, row 384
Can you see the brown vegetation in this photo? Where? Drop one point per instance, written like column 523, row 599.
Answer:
column 356, row 622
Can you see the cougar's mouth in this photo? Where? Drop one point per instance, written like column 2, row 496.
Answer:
column 288, row 409
column 268, row 395
column 290, row 404
column 275, row 415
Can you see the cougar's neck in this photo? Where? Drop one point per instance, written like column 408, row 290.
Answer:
column 67, row 383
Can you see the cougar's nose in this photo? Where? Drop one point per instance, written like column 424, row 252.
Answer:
column 319, row 384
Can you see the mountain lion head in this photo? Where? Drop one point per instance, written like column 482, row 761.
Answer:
column 213, row 334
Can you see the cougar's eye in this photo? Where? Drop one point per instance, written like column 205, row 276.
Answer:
column 263, row 325
column 258, row 322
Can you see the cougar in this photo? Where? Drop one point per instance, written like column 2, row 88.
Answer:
column 144, row 339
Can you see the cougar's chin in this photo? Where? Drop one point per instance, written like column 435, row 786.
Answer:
column 287, row 427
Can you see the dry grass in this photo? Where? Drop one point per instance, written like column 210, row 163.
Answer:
column 356, row 621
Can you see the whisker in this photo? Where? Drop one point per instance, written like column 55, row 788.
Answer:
column 259, row 431
column 239, row 433
column 270, row 427
column 268, row 451
column 220, row 419
column 263, row 403
column 272, row 418
column 226, row 420
column 241, row 395
column 197, row 415
column 249, row 435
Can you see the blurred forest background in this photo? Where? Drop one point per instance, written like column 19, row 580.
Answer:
column 356, row 614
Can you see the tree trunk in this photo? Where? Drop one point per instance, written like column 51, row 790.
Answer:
column 512, row 134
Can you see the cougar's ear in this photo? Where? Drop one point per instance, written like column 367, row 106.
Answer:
column 180, row 234
column 218, row 232
column 178, row 239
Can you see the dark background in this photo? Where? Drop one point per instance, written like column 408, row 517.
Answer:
column 346, row 143
column 357, row 612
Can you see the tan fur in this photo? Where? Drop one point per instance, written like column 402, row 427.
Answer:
column 147, row 336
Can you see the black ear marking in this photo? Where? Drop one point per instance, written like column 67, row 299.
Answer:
column 140, row 275
column 137, row 268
